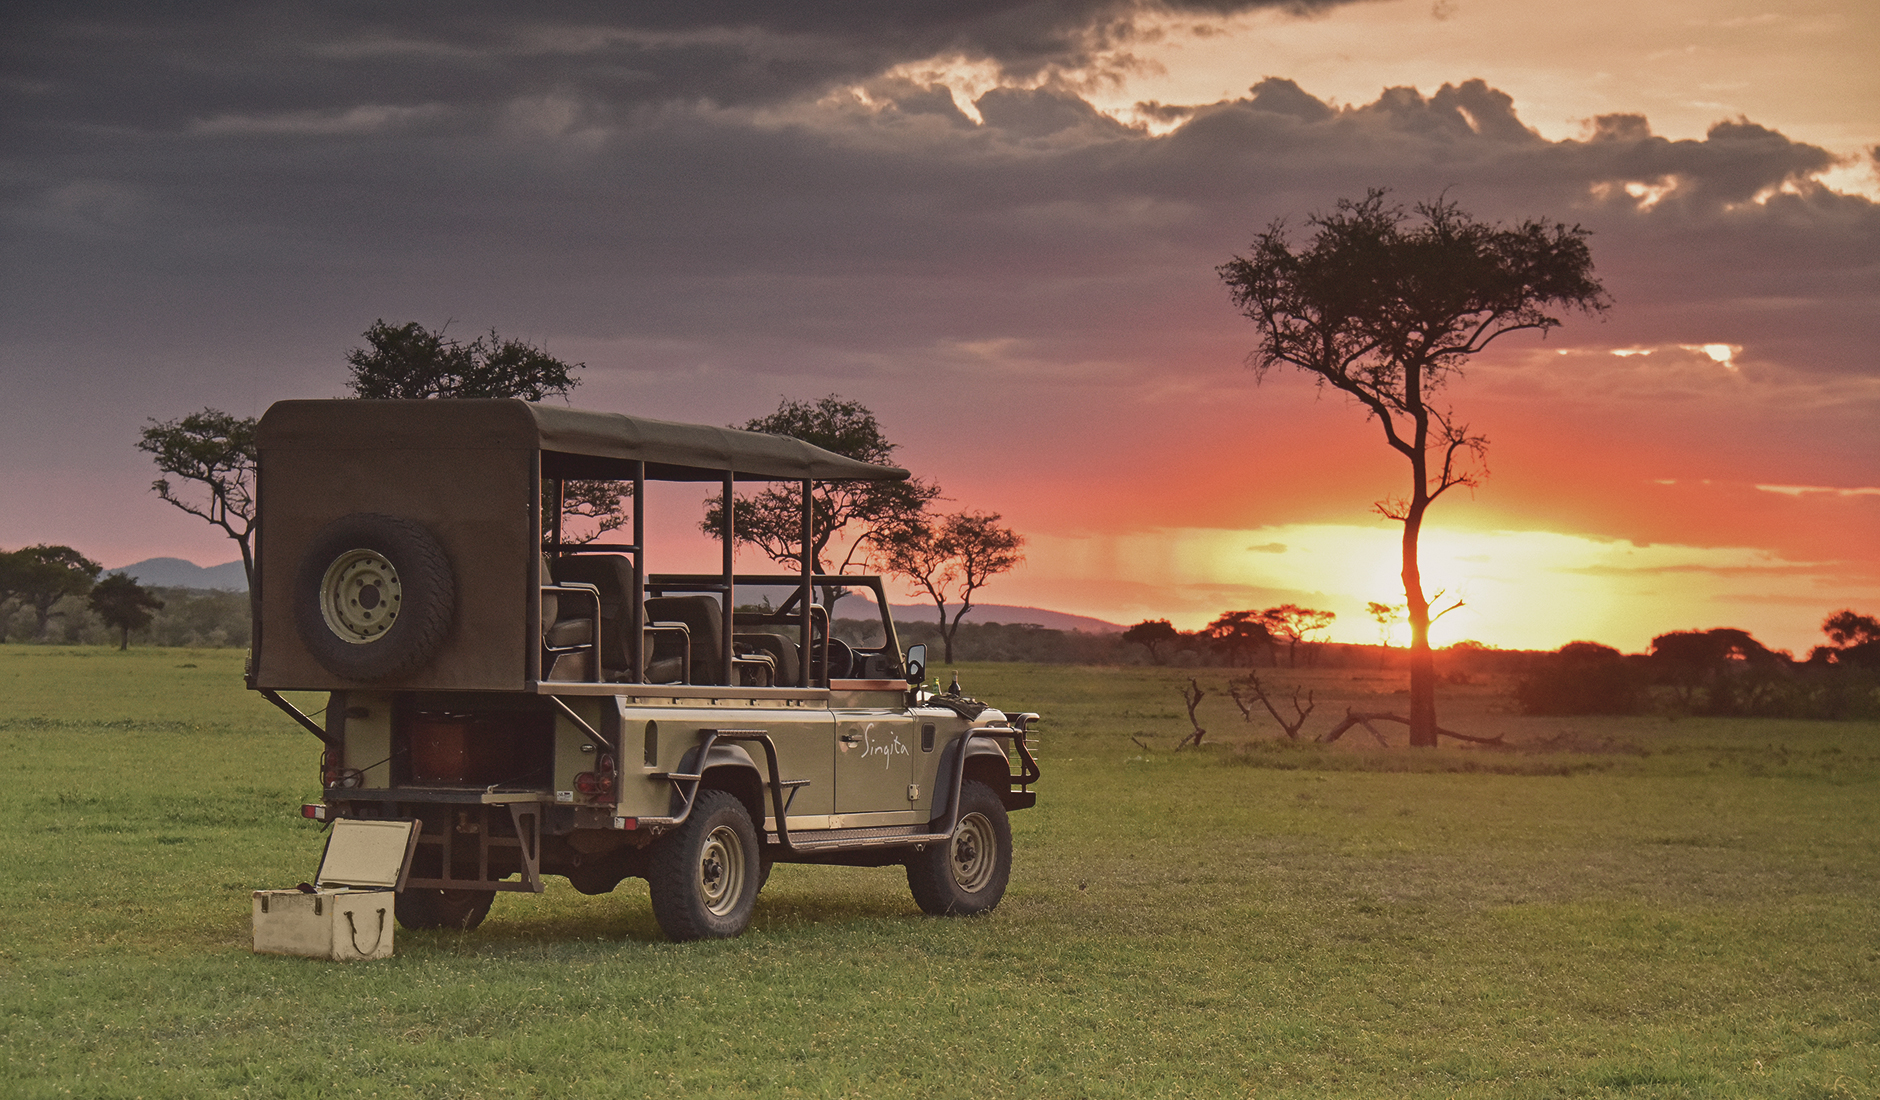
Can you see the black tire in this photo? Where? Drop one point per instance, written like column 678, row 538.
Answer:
column 462, row 910
column 705, row 873
column 373, row 597
column 966, row 875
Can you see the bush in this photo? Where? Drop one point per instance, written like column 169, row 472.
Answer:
column 1582, row 678
column 195, row 618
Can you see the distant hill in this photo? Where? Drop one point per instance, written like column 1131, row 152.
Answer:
column 177, row 573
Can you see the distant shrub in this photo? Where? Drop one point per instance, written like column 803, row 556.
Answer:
column 1582, row 678
column 1001, row 642
column 194, row 618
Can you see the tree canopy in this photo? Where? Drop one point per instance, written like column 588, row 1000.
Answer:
column 771, row 519
column 1152, row 635
column 216, row 451
column 1293, row 623
column 1240, row 634
column 1387, row 311
column 40, row 576
column 411, row 361
column 124, row 605
column 951, row 557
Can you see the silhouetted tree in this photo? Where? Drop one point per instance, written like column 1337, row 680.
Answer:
column 772, row 519
column 1240, row 633
column 1846, row 628
column 1721, row 671
column 1386, row 615
column 1151, row 634
column 1854, row 640
column 411, row 361
column 217, row 452
column 40, row 576
column 124, row 605
column 1293, row 623
column 1387, row 313
column 1581, row 678
column 950, row 558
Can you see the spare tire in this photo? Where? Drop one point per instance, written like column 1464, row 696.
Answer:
column 374, row 597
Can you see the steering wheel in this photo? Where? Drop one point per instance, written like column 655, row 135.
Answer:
column 841, row 659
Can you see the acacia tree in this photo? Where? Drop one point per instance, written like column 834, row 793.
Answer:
column 1387, row 313
column 1855, row 638
column 409, row 361
column 950, row 558
column 1293, row 623
column 40, row 576
column 216, row 451
column 1386, row 615
column 1151, row 634
column 1240, row 632
column 771, row 519
column 124, row 605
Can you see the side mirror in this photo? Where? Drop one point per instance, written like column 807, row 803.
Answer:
column 916, row 664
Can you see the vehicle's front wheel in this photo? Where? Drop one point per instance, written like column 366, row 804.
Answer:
column 459, row 909
column 705, row 873
column 967, row 874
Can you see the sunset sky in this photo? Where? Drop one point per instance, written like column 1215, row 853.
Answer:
column 997, row 225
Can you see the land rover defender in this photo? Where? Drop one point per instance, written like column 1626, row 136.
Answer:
column 544, row 706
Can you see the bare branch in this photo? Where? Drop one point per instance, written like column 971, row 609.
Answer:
column 1192, row 695
column 1259, row 692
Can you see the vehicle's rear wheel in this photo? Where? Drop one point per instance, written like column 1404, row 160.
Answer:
column 705, row 873
column 373, row 597
column 459, row 909
column 967, row 874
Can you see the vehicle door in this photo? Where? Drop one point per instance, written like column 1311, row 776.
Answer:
column 876, row 753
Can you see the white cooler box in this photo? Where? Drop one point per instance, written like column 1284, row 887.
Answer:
column 349, row 914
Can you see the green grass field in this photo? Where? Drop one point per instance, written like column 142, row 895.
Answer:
column 1613, row 908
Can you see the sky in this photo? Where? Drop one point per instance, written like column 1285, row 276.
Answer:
column 997, row 225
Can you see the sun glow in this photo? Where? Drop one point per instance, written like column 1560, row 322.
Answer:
column 1512, row 589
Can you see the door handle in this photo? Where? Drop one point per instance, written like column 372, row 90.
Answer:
column 851, row 739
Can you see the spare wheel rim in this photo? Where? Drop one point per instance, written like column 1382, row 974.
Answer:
column 360, row 596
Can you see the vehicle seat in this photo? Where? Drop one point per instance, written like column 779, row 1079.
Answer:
column 700, row 617
column 781, row 651
column 564, row 639
column 612, row 575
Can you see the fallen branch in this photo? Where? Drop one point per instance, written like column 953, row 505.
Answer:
column 1259, row 692
column 1357, row 718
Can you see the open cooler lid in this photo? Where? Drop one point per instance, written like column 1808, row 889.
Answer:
column 368, row 854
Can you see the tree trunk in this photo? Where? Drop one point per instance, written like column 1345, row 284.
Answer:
column 124, row 643
column 1422, row 663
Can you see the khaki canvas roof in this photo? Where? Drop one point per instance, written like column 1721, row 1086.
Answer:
column 575, row 443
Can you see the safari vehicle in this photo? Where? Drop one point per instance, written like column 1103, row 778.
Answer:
column 547, row 707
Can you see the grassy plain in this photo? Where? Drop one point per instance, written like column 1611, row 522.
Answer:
column 1614, row 908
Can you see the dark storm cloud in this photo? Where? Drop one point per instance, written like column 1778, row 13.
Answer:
column 209, row 209
column 148, row 66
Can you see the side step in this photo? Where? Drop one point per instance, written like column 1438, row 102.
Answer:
column 829, row 840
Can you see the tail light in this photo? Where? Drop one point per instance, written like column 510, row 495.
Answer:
column 335, row 774
column 313, row 811
column 599, row 783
